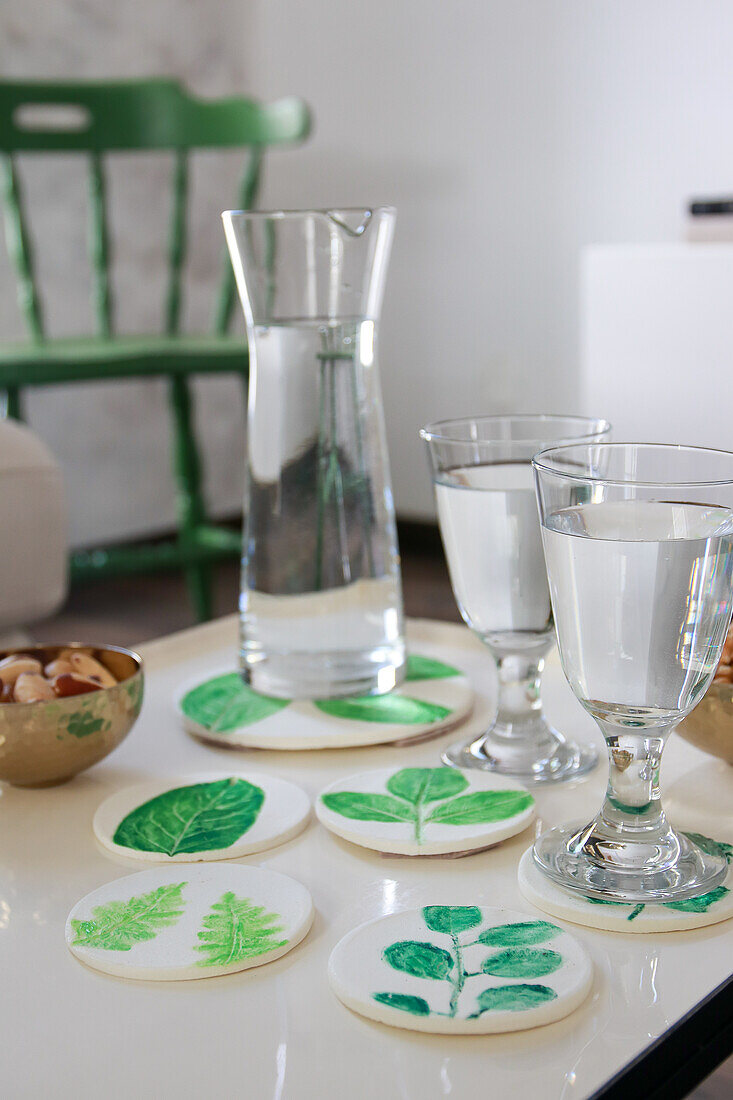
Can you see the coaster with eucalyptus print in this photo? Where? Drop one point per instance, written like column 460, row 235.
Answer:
column 218, row 815
column 174, row 923
column 460, row 969
column 225, row 711
column 425, row 811
column 617, row 916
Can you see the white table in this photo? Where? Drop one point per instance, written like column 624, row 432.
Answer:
column 277, row 1031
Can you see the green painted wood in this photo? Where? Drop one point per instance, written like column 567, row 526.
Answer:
column 99, row 246
column 19, row 247
column 186, row 464
column 89, row 359
column 177, row 242
column 218, row 539
column 189, row 498
column 96, row 118
column 140, row 114
column 151, row 557
column 199, row 584
column 13, row 407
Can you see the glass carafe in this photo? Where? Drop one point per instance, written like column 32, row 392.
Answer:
column 321, row 603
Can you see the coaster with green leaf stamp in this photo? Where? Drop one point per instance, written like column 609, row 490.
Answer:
column 224, row 710
column 195, row 921
column 613, row 916
column 425, row 811
column 461, row 969
column 217, row 815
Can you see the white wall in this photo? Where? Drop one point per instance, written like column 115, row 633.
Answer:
column 509, row 133
column 657, row 340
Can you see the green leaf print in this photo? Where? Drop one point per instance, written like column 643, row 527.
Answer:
column 406, row 1003
column 235, row 929
column 414, row 789
column 422, row 960
column 426, row 668
column 635, row 909
column 523, row 933
column 700, row 904
column 119, row 925
column 367, row 807
column 398, row 710
column 226, row 703
column 712, row 847
column 419, row 785
column 200, row 817
column 522, row 962
column 429, row 961
column 513, row 998
column 481, row 807
column 451, row 919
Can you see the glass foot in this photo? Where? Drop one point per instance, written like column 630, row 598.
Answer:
column 653, row 866
column 544, row 758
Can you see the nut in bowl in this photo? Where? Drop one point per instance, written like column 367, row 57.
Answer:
column 710, row 725
column 64, row 708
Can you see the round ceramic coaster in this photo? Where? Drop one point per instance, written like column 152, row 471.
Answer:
column 613, row 916
column 224, row 710
column 173, row 923
column 460, row 969
column 197, row 817
column 425, row 811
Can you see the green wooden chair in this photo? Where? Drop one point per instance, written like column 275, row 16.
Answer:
column 125, row 116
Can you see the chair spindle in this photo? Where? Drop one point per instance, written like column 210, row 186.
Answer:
column 99, row 250
column 20, row 250
column 177, row 243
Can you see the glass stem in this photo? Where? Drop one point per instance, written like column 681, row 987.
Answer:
column 632, row 797
column 519, row 708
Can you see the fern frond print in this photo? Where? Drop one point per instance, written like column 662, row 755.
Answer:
column 235, row 929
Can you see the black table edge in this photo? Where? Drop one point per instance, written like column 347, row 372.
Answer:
column 676, row 1062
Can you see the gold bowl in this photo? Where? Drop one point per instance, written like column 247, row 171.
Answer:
column 48, row 742
column 710, row 725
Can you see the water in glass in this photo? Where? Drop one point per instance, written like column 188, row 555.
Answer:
column 640, row 647
column 320, row 596
column 491, row 533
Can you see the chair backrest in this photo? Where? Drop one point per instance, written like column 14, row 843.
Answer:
column 95, row 118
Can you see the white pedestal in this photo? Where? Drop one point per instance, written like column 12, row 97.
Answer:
column 657, row 341
column 33, row 572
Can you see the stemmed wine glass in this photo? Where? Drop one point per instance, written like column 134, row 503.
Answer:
column 487, row 511
column 638, row 541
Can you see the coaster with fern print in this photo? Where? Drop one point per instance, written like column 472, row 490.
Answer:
column 223, row 710
column 460, row 969
column 195, row 921
column 612, row 916
column 215, row 815
column 425, row 811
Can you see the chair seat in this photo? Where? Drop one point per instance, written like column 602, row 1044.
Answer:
column 89, row 359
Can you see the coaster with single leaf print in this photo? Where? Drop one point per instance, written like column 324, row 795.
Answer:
column 617, row 916
column 217, row 815
column 196, row 921
column 425, row 811
column 460, row 969
column 225, row 711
